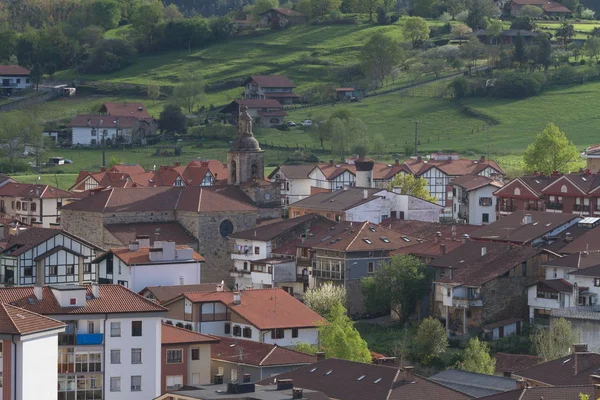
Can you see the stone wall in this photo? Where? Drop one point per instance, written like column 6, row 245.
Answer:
column 505, row 298
column 85, row 225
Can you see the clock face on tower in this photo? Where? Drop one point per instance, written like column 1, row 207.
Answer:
column 226, row 228
column 267, row 196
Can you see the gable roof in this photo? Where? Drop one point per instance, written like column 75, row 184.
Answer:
column 124, row 109
column 514, row 362
column 165, row 198
column 579, row 260
column 555, row 285
column 113, row 299
column 271, row 231
column 472, row 383
column 32, row 237
column 141, row 256
column 574, row 369
column 13, row 70
column 173, row 335
column 512, row 229
column 33, row 191
column 473, row 182
column 164, row 293
column 296, row 171
column 285, row 11
column 173, row 231
column 340, row 200
column 263, row 308
column 258, row 354
column 18, row 321
column 273, row 80
column 426, row 230
column 103, row 121
column 454, row 167
column 588, row 240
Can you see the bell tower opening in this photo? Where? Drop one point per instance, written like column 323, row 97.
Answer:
column 233, row 172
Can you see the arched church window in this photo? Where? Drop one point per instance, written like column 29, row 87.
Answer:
column 233, row 171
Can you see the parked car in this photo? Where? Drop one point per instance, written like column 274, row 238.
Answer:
column 67, row 161
column 291, row 123
column 307, row 122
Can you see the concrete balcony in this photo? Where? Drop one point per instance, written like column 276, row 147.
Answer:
column 578, row 312
column 459, row 302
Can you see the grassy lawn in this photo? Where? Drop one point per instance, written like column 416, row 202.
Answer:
column 62, row 181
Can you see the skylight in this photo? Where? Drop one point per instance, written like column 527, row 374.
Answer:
column 30, row 300
column 377, row 380
column 312, row 370
column 384, row 239
column 329, row 372
column 405, row 239
column 367, row 241
column 548, row 224
column 360, row 378
column 372, row 229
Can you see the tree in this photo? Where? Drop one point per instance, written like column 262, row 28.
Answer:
column 430, row 341
column 370, row 6
column 592, row 47
column 322, row 299
column 380, row 55
column 15, row 131
column 148, row 16
column 36, row 75
column 106, row 13
column 553, row 342
column 345, row 134
column 566, row 31
column 153, row 91
column 188, row 93
column 480, row 11
column 172, row 13
column 494, row 29
column 524, row 24
column 454, row 7
column 520, row 54
column 543, row 52
column 472, row 50
column 260, row 6
column 424, row 8
column 398, row 284
column 433, row 66
column 340, row 339
column 412, row 186
column 551, row 151
column 415, row 29
column 477, row 358
column 530, row 11
column 172, row 119
column 570, row 4
column 320, row 8
column 461, row 30
column 306, row 348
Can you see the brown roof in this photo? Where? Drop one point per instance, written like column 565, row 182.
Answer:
column 107, row 179
column 172, row 231
column 282, row 95
column 32, row 237
column 427, row 230
column 10, row 70
column 299, row 171
column 173, row 335
column 285, row 11
column 272, row 80
column 142, row 256
column 546, row 393
column 271, row 231
column 113, row 299
column 359, row 236
column 264, row 308
column 259, row 103
column 514, row 362
column 468, row 253
column 18, row 321
column 33, row 191
column 512, row 229
column 103, row 121
column 340, row 200
column 576, row 260
column 164, row 293
column 125, row 110
column 193, row 199
column 257, row 354
column 588, row 241
column 562, row 371
column 458, row 167
column 421, row 388
column 472, row 182
column 555, row 285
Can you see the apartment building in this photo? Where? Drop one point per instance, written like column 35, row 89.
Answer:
column 33, row 204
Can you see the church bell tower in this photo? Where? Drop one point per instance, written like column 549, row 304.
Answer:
column 245, row 160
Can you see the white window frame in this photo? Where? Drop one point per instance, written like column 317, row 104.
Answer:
column 115, row 383
column 176, row 381
column 117, row 353
column 115, row 329
column 137, row 387
column 136, row 350
column 180, row 351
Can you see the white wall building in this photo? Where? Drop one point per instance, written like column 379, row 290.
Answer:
column 140, row 265
column 473, row 200
column 91, row 130
column 13, row 77
column 31, row 204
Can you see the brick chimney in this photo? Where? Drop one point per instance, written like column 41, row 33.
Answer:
column 408, row 373
column 580, row 362
column 437, row 236
column 482, row 159
column 320, row 355
column 522, row 384
column 397, row 161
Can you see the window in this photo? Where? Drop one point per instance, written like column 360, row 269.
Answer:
column 91, row 327
column 596, row 282
column 195, row 354
column 174, row 356
column 33, row 207
column 227, row 328
column 115, row 383
column 247, row 332
column 524, row 268
column 371, row 267
column 256, row 250
column 52, row 270
column 174, row 382
column 485, row 218
column 277, row 333
column 245, row 266
column 28, row 271
column 294, row 332
column 115, row 356
column 237, row 330
column 18, row 206
column 25, row 206
column 136, row 328
column 485, row 201
column 115, row 329
column 70, row 269
column 136, row 356
column 73, row 302
column 136, row 383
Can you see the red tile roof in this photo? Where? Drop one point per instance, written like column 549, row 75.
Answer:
column 172, row 231
column 18, row 321
column 33, row 191
column 278, row 81
column 103, row 121
column 113, row 299
column 472, row 182
column 125, row 110
column 458, row 167
column 9, row 70
column 514, row 362
column 173, row 335
column 271, row 231
column 142, row 256
column 257, row 354
column 164, row 293
column 546, row 5
column 264, row 308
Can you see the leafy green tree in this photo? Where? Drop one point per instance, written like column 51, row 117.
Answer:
column 320, row 8
column 543, row 52
column 565, row 32
column 520, row 54
column 36, row 74
column 345, row 134
column 477, row 358
column 106, row 13
column 90, row 35
column 570, row 4
column 494, row 28
column 8, row 38
column 397, row 284
column 115, row 160
column 415, row 29
column 454, row 7
column 472, row 50
column 524, row 24
column 340, row 339
column 306, row 348
column 260, row 6
column 153, row 91
column 370, row 6
column 530, row 11
column 412, row 186
column 480, row 11
column 147, row 16
column 16, row 130
column 550, row 151
column 380, row 55
column 321, row 299
column 592, row 47
column 461, row 30
column 187, row 95
column 430, row 341
column 554, row 342
column 424, row 8
column 172, row 119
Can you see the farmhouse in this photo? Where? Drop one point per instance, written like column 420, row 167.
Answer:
column 265, row 112
column 13, row 77
column 551, row 8
column 281, row 17
column 275, row 87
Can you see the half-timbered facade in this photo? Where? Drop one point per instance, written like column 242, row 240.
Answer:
column 48, row 256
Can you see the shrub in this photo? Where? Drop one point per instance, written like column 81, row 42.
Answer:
column 565, row 75
column 460, row 86
column 517, row 85
column 394, row 18
column 110, row 55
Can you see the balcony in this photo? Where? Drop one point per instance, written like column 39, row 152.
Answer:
column 89, row 338
column 507, row 208
column 533, row 207
column 578, row 312
column 302, row 278
column 581, row 208
column 554, row 206
column 238, row 273
column 461, row 302
column 325, row 274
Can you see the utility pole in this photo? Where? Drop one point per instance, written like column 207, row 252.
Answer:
column 416, row 136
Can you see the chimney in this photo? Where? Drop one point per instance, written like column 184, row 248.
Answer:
column 482, row 159
column 442, row 248
column 177, row 163
column 37, row 291
column 408, row 373
column 285, row 384
column 220, row 287
column 483, row 251
column 365, row 194
column 297, row 394
column 397, row 161
column 527, row 219
column 522, row 384
column 96, row 290
column 134, row 246
column 237, row 298
column 579, row 349
column 320, row 355
column 330, row 162
column 437, row 237
column 419, row 159
column 465, row 238
column 568, row 237
column 143, row 240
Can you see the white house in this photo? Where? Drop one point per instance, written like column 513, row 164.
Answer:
column 28, row 354
column 139, row 265
column 33, row 204
column 276, row 87
column 92, row 130
column 262, row 315
column 13, row 77
column 111, row 347
column 47, row 256
column 473, row 200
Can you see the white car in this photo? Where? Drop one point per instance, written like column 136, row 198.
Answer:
column 307, row 122
column 291, row 123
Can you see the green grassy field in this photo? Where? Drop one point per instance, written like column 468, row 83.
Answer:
column 62, row 181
